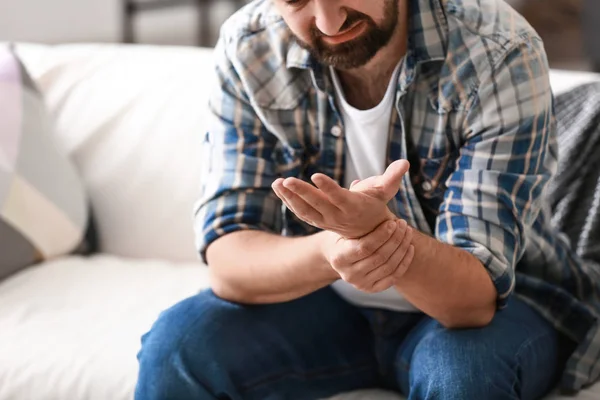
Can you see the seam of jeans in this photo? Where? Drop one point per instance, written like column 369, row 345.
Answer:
column 521, row 349
column 321, row 373
column 405, row 365
column 180, row 353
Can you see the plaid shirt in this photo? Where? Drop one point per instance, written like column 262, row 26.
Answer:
column 473, row 102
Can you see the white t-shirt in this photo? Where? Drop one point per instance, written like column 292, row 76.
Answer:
column 366, row 147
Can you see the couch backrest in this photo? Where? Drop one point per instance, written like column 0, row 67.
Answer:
column 133, row 119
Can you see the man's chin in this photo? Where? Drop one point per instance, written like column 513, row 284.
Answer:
column 346, row 60
column 345, row 56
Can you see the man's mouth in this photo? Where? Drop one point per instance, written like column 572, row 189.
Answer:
column 351, row 33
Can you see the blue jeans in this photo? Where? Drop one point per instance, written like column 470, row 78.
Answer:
column 206, row 348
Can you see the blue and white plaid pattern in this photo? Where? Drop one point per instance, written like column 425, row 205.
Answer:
column 474, row 99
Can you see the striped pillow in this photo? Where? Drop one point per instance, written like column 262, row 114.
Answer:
column 43, row 209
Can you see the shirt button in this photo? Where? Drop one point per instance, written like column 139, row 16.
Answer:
column 426, row 186
column 336, row 131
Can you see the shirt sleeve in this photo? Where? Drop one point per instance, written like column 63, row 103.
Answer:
column 238, row 164
column 507, row 157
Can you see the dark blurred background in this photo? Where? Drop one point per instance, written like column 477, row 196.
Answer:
column 570, row 28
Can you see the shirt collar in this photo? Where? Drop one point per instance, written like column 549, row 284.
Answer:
column 428, row 31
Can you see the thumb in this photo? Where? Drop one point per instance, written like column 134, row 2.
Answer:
column 391, row 179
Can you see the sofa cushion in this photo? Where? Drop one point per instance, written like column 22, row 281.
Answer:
column 43, row 211
column 71, row 328
column 133, row 119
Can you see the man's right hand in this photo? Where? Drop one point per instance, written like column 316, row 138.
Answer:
column 372, row 263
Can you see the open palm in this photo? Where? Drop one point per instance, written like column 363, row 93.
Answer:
column 350, row 213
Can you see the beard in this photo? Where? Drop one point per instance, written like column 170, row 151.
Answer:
column 357, row 52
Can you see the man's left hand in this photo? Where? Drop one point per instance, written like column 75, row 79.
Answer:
column 350, row 213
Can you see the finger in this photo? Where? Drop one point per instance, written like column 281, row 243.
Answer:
column 405, row 264
column 311, row 195
column 354, row 183
column 383, row 284
column 302, row 209
column 278, row 189
column 402, row 251
column 382, row 262
column 276, row 186
column 401, row 259
column 336, row 194
column 355, row 250
column 391, row 180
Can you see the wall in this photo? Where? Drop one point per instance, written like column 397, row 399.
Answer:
column 58, row 21
column 54, row 21
column 559, row 23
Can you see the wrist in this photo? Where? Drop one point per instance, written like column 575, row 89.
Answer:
column 323, row 242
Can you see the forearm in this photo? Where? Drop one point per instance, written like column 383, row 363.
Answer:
column 449, row 284
column 266, row 268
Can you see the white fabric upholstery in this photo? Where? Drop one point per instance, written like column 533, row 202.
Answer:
column 71, row 328
column 133, row 120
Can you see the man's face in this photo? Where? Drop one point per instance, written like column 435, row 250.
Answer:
column 345, row 34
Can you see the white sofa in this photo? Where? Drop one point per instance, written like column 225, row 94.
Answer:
column 132, row 119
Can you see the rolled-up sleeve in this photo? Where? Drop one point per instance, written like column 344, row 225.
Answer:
column 507, row 157
column 238, row 165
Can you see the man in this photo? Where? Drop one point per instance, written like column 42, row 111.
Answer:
column 377, row 275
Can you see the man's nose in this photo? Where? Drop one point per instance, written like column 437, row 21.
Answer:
column 329, row 16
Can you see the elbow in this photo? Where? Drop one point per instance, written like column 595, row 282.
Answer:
column 225, row 292
column 234, row 291
column 472, row 312
column 472, row 318
column 230, row 292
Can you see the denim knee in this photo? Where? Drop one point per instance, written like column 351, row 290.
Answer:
column 448, row 365
column 184, row 355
